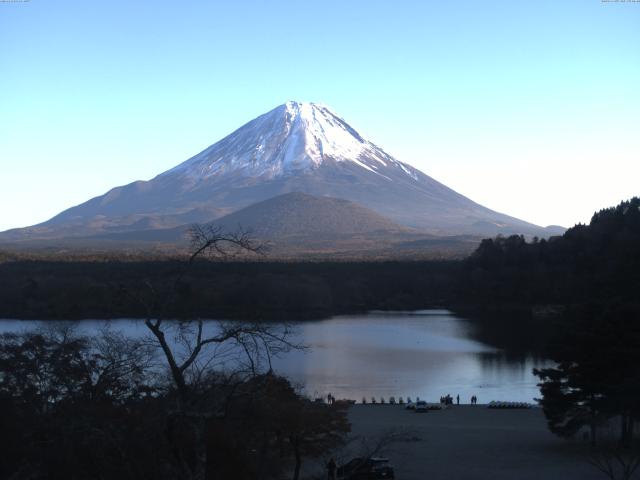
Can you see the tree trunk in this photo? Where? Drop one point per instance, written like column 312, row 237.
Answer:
column 200, row 448
column 280, row 439
column 176, row 372
column 298, row 457
column 628, row 431
column 262, row 461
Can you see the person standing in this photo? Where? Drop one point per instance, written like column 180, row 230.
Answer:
column 332, row 467
column 458, row 399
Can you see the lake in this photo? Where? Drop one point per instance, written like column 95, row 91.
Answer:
column 427, row 353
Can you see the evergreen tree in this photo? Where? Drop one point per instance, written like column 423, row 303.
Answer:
column 596, row 377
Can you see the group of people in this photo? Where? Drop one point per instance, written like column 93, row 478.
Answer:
column 448, row 400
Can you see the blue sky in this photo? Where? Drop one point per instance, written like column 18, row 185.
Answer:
column 530, row 108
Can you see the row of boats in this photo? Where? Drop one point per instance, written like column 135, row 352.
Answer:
column 392, row 401
column 495, row 404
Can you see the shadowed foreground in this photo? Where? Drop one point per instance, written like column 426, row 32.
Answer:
column 466, row 443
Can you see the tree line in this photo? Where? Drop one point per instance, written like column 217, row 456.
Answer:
column 598, row 262
column 266, row 290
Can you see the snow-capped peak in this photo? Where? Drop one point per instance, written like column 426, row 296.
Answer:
column 292, row 138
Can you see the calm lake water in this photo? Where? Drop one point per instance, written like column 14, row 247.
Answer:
column 428, row 354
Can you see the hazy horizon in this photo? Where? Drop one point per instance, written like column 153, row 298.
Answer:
column 528, row 109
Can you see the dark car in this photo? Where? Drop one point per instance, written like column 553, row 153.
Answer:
column 360, row 468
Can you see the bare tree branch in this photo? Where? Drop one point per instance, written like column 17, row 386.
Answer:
column 197, row 348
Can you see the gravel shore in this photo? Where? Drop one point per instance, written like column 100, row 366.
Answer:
column 474, row 442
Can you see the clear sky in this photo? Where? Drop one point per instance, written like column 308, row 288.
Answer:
column 531, row 108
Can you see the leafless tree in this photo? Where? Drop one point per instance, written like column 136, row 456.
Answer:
column 614, row 458
column 363, row 447
column 384, row 443
column 616, row 462
column 125, row 364
column 193, row 348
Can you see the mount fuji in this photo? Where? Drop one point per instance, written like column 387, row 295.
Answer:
column 296, row 147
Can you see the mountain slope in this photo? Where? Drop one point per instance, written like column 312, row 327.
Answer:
column 300, row 225
column 291, row 214
column 301, row 214
column 296, row 147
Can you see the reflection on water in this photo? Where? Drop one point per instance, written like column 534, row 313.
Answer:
column 426, row 354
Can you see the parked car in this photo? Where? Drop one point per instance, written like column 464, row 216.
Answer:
column 422, row 407
column 373, row 468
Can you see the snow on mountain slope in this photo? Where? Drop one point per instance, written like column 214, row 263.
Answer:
column 290, row 139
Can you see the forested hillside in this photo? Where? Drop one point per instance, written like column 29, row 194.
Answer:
column 599, row 262
column 220, row 289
